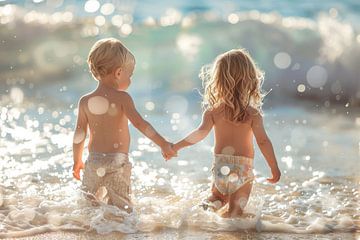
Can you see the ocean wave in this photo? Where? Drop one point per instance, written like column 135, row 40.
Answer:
column 306, row 58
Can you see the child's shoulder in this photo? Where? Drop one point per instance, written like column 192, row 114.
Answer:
column 253, row 112
column 84, row 98
column 124, row 98
column 210, row 112
column 215, row 109
column 254, row 115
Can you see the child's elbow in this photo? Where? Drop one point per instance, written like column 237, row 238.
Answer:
column 137, row 124
column 263, row 141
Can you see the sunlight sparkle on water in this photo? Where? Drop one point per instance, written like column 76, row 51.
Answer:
column 67, row 17
column 357, row 121
column 288, row 148
column 117, row 20
column 301, row 88
column 91, row 6
column 126, row 29
column 88, row 31
column 171, row 17
column 288, row 160
column 100, row 20
column 233, row 18
column 182, row 163
column 189, row 45
column 149, row 21
column 17, row 95
column 150, row 106
column 107, row 8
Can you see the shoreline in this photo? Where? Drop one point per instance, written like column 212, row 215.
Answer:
column 190, row 234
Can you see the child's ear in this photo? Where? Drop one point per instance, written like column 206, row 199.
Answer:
column 118, row 72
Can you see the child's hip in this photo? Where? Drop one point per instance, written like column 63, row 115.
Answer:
column 103, row 164
column 231, row 172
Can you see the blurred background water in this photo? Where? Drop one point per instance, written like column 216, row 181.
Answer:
column 310, row 52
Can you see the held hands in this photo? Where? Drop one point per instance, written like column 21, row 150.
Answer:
column 167, row 151
column 76, row 169
column 275, row 175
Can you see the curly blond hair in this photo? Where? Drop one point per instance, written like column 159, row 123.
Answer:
column 106, row 55
column 234, row 81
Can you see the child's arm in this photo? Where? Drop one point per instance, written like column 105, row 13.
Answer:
column 79, row 139
column 198, row 134
column 266, row 147
column 145, row 127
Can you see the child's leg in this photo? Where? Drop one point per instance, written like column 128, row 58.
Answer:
column 118, row 187
column 238, row 201
column 216, row 199
column 91, row 181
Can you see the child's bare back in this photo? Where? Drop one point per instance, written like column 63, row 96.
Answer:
column 233, row 138
column 110, row 132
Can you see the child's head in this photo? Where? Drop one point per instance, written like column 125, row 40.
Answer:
column 234, row 81
column 109, row 57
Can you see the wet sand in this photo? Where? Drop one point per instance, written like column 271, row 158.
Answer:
column 191, row 234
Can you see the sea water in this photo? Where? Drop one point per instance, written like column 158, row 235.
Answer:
column 318, row 193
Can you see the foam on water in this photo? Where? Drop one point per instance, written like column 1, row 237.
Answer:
column 326, row 207
column 38, row 194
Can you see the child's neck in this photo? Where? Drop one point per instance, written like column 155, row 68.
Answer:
column 106, row 84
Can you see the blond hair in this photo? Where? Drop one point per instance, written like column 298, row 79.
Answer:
column 234, row 81
column 106, row 55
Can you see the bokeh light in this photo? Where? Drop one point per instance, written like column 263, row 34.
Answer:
column 100, row 21
column 225, row 170
column 189, row 45
column 233, row 18
column 316, row 76
column 301, row 88
column 91, row 6
column 107, row 9
column 98, row 105
column 282, row 60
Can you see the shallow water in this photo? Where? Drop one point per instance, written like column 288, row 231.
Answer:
column 318, row 192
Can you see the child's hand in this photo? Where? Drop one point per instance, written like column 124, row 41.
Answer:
column 176, row 146
column 275, row 175
column 76, row 169
column 168, row 151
